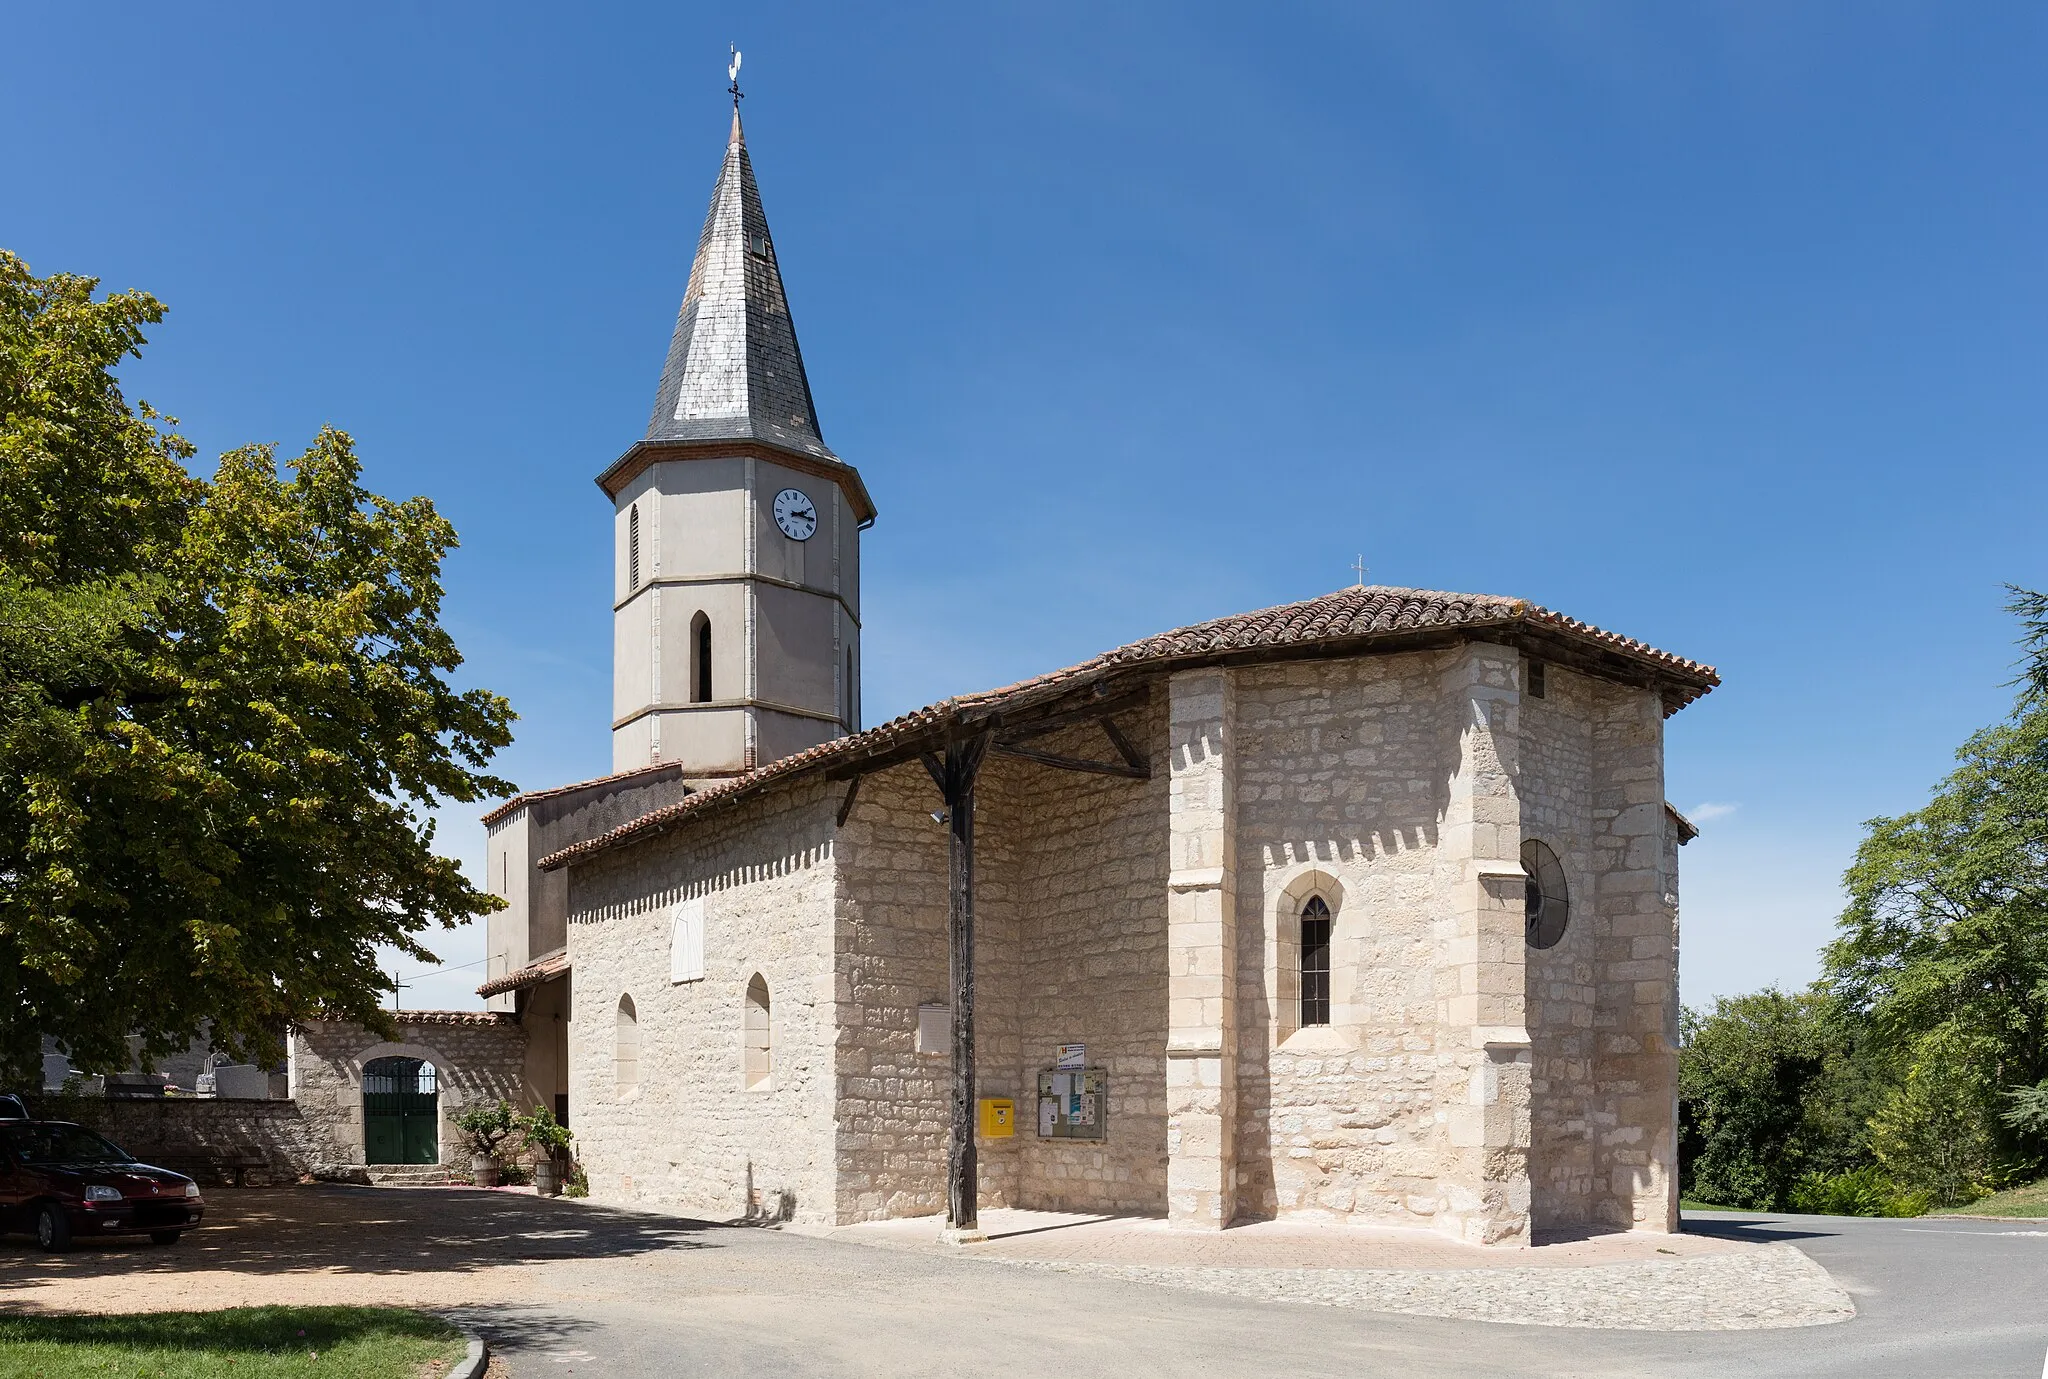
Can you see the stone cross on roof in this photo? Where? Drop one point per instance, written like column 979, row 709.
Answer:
column 733, row 370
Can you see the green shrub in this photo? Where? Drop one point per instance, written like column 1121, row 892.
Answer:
column 1859, row 1192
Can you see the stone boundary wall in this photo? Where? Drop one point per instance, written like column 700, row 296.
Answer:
column 211, row 1138
column 478, row 1056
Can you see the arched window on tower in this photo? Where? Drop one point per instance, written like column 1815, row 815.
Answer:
column 633, row 548
column 758, row 1038
column 1315, row 962
column 626, row 1048
column 700, row 659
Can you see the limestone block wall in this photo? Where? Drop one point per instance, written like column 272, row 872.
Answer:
column 1348, row 773
column 890, row 957
column 207, row 1137
column 1342, row 782
column 478, row 1056
column 1091, row 920
column 1557, row 788
column 1070, row 908
column 1635, row 1150
column 692, row 1134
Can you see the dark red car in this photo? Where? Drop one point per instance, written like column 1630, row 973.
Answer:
column 61, row 1182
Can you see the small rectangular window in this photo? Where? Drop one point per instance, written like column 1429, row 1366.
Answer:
column 1315, row 970
column 759, row 245
column 1536, row 685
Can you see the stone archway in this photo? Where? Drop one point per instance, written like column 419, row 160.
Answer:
column 401, row 1111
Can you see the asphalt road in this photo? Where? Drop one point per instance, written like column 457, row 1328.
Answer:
column 1934, row 1298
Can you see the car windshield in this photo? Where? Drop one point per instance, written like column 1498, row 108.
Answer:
column 64, row 1144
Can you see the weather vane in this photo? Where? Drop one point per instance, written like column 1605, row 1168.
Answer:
column 732, row 73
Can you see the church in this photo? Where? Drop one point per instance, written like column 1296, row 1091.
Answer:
column 1362, row 908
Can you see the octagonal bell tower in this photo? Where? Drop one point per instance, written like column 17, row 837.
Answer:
column 736, row 578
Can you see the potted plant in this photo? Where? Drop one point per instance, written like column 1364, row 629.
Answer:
column 485, row 1128
column 547, row 1139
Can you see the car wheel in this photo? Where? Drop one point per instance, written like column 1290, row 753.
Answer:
column 53, row 1231
column 164, row 1237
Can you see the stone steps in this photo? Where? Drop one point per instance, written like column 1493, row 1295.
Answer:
column 412, row 1175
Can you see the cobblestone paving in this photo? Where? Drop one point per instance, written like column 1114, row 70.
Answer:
column 1775, row 1286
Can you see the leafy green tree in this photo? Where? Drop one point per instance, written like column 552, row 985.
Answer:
column 1943, row 950
column 1746, row 1072
column 224, row 714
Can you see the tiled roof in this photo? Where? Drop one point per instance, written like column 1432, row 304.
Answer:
column 734, row 371
column 1357, row 620
column 518, row 801
column 533, row 974
column 454, row 1017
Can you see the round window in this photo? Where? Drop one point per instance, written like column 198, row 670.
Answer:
column 1548, row 906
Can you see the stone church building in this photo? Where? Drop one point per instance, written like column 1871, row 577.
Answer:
column 1363, row 907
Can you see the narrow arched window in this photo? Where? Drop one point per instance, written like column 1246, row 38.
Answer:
column 1315, row 962
column 626, row 1048
column 1547, row 905
column 633, row 548
column 759, row 1052
column 700, row 659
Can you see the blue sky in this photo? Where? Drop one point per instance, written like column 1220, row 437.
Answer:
column 1719, row 326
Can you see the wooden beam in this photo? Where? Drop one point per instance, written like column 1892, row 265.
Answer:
column 846, row 805
column 1097, row 768
column 1124, row 749
column 1086, row 713
column 956, row 776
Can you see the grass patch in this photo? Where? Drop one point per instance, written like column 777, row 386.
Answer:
column 2031, row 1200
column 240, row 1343
column 1687, row 1204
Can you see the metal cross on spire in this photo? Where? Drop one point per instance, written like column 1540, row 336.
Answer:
column 732, row 73
column 1359, row 565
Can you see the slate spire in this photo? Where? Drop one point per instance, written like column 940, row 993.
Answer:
column 733, row 370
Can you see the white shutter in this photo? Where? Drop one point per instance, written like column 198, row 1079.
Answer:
column 686, row 943
column 935, row 1029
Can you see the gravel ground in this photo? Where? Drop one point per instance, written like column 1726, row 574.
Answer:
column 1770, row 1287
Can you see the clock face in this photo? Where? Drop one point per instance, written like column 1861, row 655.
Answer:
column 795, row 514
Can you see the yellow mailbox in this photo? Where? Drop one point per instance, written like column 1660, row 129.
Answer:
column 998, row 1117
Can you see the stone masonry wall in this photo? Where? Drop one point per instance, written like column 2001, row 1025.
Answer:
column 207, row 1137
column 1341, row 785
column 1557, row 788
column 693, row 1135
column 1635, row 1150
column 477, row 1056
column 890, row 958
column 1091, row 907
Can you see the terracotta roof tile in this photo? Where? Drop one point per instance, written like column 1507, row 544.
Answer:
column 454, row 1017
column 1348, row 620
column 533, row 974
column 530, row 796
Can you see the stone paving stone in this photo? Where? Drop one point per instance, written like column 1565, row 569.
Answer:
column 1776, row 1286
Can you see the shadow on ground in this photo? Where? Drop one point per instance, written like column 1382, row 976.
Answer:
column 331, row 1229
column 1750, row 1229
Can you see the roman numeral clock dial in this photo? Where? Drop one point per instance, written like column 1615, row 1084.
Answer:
column 795, row 514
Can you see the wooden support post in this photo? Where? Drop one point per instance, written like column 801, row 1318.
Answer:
column 955, row 777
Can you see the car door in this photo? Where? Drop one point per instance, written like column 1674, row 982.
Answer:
column 13, row 1143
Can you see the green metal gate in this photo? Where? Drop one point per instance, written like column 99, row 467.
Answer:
column 401, row 1112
